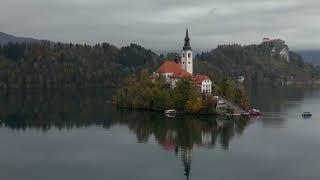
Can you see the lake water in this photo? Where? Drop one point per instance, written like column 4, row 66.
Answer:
column 80, row 136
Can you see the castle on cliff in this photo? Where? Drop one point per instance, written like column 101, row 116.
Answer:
column 278, row 48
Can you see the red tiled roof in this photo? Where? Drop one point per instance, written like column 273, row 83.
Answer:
column 197, row 79
column 169, row 67
column 173, row 67
column 182, row 73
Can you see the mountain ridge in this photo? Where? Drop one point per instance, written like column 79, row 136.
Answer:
column 6, row 38
column 311, row 56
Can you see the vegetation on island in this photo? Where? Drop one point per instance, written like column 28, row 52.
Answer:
column 139, row 92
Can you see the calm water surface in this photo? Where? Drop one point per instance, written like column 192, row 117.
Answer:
column 80, row 136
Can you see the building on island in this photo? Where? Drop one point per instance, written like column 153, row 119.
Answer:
column 241, row 79
column 173, row 71
column 203, row 82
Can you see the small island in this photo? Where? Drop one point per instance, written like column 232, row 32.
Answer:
column 174, row 86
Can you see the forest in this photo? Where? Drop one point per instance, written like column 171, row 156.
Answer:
column 58, row 66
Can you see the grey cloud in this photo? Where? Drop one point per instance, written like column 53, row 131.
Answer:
column 160, row 24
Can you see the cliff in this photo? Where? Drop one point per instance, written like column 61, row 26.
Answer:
column 276, row 48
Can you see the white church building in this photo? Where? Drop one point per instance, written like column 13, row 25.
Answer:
column 173, row 71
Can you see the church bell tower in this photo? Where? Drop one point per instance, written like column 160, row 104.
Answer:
column 186, row 55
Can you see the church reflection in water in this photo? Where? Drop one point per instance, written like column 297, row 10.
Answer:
column 185, row 133
column 178, row 135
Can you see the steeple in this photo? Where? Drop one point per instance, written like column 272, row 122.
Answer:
column 186, row 45
column 186, row 55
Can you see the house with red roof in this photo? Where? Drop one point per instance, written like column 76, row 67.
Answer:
column 173, row 71
column 203, row 82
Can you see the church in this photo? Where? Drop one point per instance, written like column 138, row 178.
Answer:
column 173, row 71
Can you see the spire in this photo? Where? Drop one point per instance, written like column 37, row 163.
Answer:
column 186, row 45
column 186, row 156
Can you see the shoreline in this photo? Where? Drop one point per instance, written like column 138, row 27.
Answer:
column 162, row 111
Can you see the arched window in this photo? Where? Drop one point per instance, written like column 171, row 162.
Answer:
column 189, row 54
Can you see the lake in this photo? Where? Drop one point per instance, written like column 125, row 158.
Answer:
column 81, row 136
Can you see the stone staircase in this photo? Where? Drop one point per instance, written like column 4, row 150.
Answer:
column 236, row 108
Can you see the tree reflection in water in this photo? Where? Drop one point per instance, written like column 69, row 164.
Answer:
column 179, row 135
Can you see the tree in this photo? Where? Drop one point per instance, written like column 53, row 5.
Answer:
column 184, row 91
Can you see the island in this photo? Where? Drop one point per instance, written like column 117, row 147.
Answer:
column 174, row 85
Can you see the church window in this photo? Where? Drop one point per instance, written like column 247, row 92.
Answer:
column 183, row 55
column 189, row 54
column 188, row 62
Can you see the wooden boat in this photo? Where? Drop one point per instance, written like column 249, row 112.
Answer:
column 170, row 112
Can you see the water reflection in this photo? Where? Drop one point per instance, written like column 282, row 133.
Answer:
column 66, row 111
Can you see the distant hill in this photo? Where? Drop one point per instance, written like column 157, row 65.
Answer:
column 311, row 56
column 7, row 38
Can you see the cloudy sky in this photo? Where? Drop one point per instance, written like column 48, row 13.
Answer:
column 160, row 24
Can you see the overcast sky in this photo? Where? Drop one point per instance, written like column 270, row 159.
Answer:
column 160, row 24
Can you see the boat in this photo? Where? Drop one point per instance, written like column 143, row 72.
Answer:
column 244, row 113
column 254, row 112
column 306, row 115
column 170, row 112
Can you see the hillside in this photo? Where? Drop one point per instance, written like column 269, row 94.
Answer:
column 266, row 62
column 47, row 65
column 42, row 66
column 7, row 38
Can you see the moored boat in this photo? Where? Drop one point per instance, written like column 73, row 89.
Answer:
column 306, row 114
column 170, row 112
column 254, row 112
